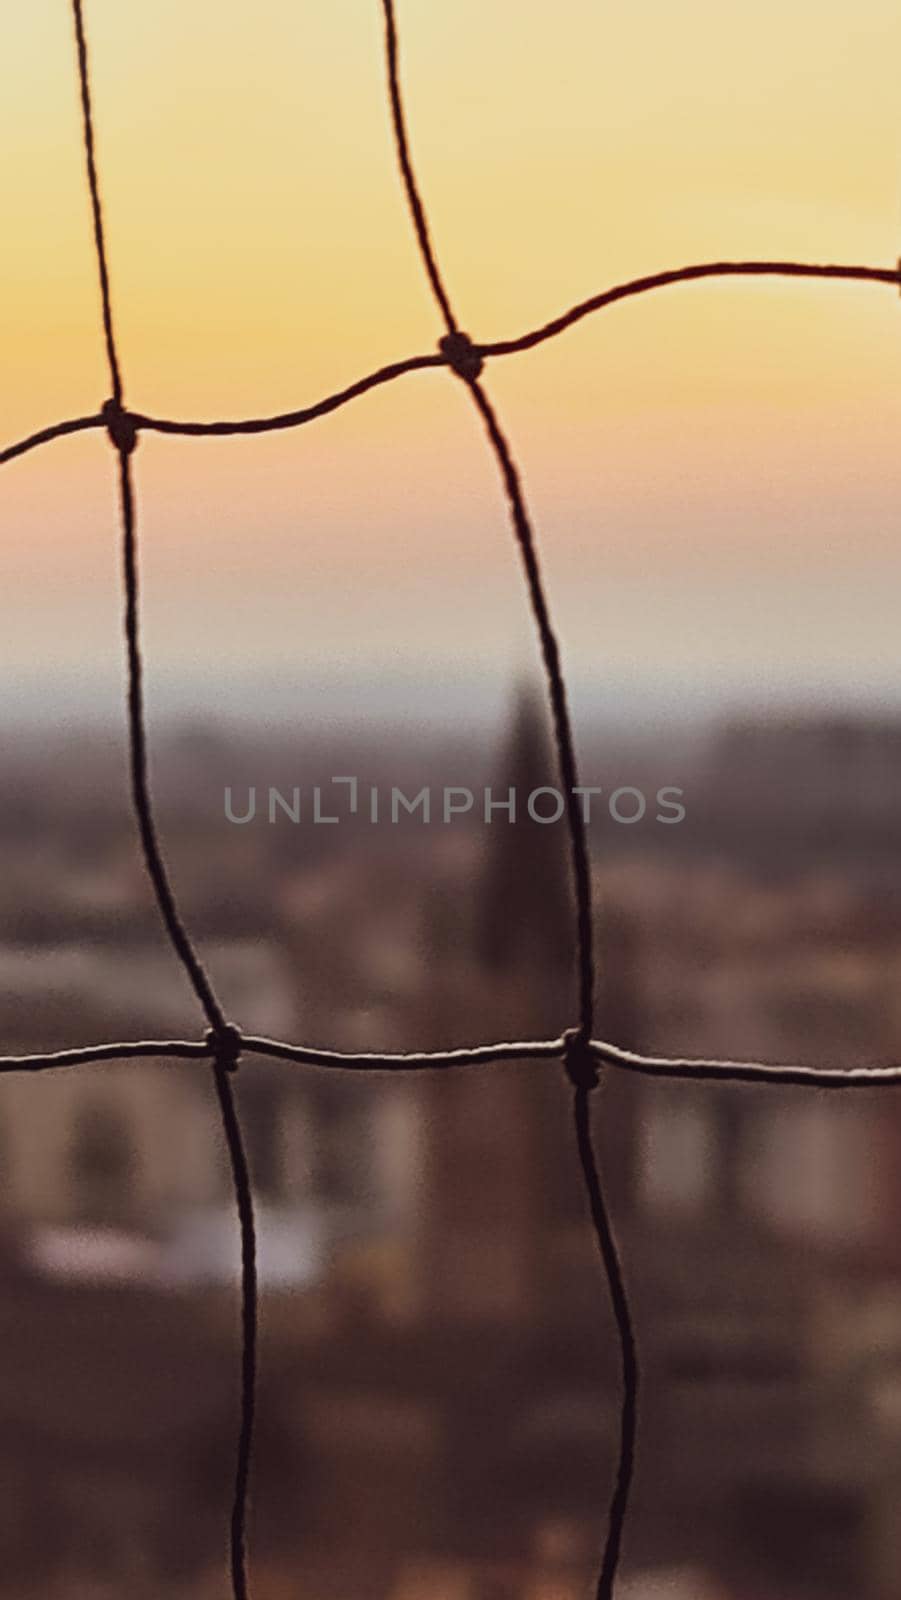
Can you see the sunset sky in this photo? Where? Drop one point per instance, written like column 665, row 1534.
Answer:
column 715, row 470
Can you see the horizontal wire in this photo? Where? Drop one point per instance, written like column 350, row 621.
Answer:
column 57, row 430
column 683, row 1068
column 662, row 280
column 125, row 1050
column 408, row 1061
column 293, row 419
column 494, row 348
column 758, row 1072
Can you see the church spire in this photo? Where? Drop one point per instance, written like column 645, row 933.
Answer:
column 525, row 915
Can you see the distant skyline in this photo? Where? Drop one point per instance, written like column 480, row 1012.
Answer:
column 406, row 703
column 714, row 471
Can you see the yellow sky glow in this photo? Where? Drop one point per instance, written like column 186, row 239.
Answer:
column 260, row 255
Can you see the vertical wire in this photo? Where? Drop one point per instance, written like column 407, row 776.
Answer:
column 249, row 1327
column 137, row 744
column 420, row 221
column 84, row 82
column 469, row 369
column 223, row 1040
column 466, row 362
column 619, row 1300
column 556, row 686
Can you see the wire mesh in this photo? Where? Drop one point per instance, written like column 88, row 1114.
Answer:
column 224, row 1044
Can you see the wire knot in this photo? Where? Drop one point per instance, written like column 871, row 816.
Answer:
column 120, row 425
column 580, row 1064
column 461, row 354
column 225, row 1045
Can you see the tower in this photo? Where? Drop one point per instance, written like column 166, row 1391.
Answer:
column 524, row 918
column 493, row 1140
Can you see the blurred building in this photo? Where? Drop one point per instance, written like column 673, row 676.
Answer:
column 440, row 1366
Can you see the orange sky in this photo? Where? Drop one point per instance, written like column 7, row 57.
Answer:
column 715, row 470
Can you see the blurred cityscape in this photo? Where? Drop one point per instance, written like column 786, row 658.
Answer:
column 439, row 1371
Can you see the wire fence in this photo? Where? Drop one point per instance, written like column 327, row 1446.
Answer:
column 224, row 1044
